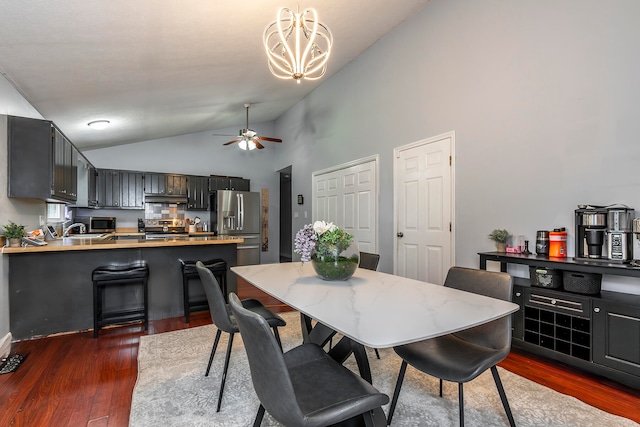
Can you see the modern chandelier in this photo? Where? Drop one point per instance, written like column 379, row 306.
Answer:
column 297, row 45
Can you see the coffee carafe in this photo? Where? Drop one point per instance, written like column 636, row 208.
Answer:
column 591, row 224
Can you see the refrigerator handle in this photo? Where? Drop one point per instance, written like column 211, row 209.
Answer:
column 240, row 211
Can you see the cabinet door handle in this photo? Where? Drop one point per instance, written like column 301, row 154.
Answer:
column 596, row 309
column 518, row 294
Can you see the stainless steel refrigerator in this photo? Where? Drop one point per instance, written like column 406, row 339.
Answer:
column 237, row 213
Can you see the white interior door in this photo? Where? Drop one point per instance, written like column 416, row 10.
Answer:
column 423, row 195
column 347, row 195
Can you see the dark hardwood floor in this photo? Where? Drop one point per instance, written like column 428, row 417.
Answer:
column 76, row 380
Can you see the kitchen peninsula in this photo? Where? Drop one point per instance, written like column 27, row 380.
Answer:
column 51, row 290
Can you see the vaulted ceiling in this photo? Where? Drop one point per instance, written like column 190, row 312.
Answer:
column 159, row 68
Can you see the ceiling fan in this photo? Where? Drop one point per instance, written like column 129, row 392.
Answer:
column 248, row 139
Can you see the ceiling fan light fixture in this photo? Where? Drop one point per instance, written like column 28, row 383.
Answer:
column 311, row 41
column 248, row 139
column 99, row 124
column 247, row 145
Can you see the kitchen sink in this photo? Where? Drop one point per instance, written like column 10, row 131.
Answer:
column 88, row 236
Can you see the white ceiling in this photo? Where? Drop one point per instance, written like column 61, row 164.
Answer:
column 159, row 68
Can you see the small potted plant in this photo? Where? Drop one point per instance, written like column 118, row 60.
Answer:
column 500, row 237
column 14, row 233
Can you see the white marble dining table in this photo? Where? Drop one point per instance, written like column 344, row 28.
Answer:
column 375, row 309
column 371, row 309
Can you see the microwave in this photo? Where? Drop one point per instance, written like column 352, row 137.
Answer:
column 102, row 224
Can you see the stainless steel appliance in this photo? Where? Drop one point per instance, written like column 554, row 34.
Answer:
column 636, row 241
column 619, row 234
column 604, row 233
column 102, row 224
column 165, row 229
column 237, row 213
column 591, row 223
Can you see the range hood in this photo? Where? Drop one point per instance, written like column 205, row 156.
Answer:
column 166, row 199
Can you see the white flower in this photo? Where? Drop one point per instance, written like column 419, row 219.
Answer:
column 321, row 227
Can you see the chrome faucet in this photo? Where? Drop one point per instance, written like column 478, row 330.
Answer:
column 83, row 229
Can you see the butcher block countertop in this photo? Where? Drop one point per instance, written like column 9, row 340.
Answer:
column 107, row 242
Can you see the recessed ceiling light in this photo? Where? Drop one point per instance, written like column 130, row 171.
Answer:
column 98, row 124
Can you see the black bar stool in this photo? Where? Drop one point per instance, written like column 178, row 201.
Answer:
column 219, row 269
column 118, row 275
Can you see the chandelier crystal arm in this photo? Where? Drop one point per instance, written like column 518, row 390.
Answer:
column 311, row 37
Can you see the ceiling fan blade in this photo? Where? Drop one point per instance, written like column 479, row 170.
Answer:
column 258, row 145
column 222, row 134
column 231, row 142
column 266, row 138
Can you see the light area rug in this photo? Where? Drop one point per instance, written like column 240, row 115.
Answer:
column 172, row 390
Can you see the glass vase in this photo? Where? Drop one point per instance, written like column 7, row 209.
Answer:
column 333, row 263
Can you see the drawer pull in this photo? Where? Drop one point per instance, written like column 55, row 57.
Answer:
column 596, row 309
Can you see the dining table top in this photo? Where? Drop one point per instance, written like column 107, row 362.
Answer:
column 373, row 308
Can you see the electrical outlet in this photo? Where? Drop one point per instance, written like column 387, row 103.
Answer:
column 295, row 214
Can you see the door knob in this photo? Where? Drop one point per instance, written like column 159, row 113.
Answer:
column 400, row 234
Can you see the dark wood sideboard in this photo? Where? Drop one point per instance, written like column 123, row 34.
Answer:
column 597, row 333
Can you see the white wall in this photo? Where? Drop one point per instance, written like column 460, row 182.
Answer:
column 542, row 95
column 19, row 211
column 201, row 154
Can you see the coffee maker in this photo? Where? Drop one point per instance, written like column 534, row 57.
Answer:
column 591, row 224
column 604, row 233
column 619, row 236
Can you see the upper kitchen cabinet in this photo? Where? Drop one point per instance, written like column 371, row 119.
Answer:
column 162, row 184
column 120, row 189
column 131, row 190
column 87, row 196
column 65, row 168
column 42, row 162
column 198, row 198
column 229, row 183
column 177, row 185
column 108, row 188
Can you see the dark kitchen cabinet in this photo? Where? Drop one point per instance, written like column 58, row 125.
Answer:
column 65, row 168
column 120, row 189
column 155, row 183
column 616, row 331
column 87, row 196
column 597, row 333
column 177, row 185
column 131, row 190
column 163, row 184
column 517, row 318
column 229, row 183
column 198, row 197
column 92, row 189
column 42, row 162
column 109, row 188
column 558, row 321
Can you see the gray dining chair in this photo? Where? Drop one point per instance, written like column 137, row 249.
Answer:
column 304, row 386
column 220, row 314
column 369, row 261
column 462, row 356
